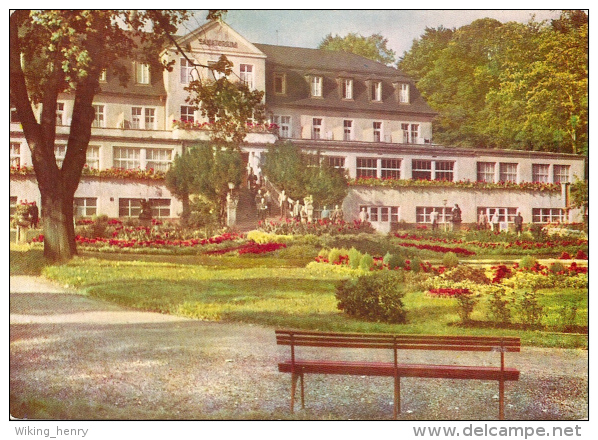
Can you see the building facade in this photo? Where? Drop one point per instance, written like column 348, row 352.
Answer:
column 357, row 114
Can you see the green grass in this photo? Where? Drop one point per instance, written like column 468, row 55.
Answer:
column 277, row 292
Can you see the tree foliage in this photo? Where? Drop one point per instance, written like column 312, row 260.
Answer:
column 511, row 85
column 301, row 174
column 228, row 104
column 373, row 47
column 205, row 170
column 58, row 51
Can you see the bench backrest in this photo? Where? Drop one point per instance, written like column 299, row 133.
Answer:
column 296, row 338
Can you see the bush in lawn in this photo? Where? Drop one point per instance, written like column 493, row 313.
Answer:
column 567, row 315
column 557, row 268
column 394, row 261
column 466, row 301
column 527, row 262
column 530, row 309
column 354, row 258
column 450, row 259
column 298, row 251
column 334, row 256
column 415, row 265
column 366, row 262
column 373, row 297
column 470, row 273
column 498, row 304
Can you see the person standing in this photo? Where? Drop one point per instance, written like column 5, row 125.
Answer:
column 495, row 220
column 363, row 215
column 337, row 215
column 325, row 216
column 518, row 223
column 434, row 219
column 456, row 217
column 34, row 214
column 482, row 221
column 282, row 202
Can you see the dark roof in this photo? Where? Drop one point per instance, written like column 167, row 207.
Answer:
column 296, row 63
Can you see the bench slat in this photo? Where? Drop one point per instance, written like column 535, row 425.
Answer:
column 403, row 370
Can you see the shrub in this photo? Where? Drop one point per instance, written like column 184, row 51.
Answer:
column 373, row 297
column 530, row 309
column 466, row 301
column 394, row 261
column 334, row 256
column 416, row 265
column 298, row 251
column 499, row 304
column 470, row 273
column 354, row 258
column 366, row 262
column 557, row 267
column 450, row 259
column 567, row 315
column 527, row 262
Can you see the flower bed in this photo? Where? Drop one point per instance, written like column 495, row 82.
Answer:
column 318, row 227
column 115, row 173
column 447, row 292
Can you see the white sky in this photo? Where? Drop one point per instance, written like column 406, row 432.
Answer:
column 307, row 28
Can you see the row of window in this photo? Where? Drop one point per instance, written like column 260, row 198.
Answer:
column 429, row 169
column 423, row 214
column 127, row 207
column 318, row 130
column 158, row 159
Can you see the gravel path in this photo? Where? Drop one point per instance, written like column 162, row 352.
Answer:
column 78, row 358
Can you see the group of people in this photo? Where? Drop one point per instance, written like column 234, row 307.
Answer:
column 455, row 218
column 494, row 222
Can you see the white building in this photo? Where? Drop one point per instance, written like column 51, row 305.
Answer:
column 358, row 114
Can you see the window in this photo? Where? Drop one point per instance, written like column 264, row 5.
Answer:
column 486, row 172
column 187, row 113
column 540, row 173
column 142, row 73
column 129, row 207
column 404, row 93
column 60, row 113
column 390, row 168
column 316, row 86
column 127, row 158
column 347, row 88
column 186, row 71
column 143, row 118
column 421, row 169
column 280, row 84
column 336, row 161
column 59, row 153
column 158, row 159
column 377, row 126
column 15, row 154
column 313, row 160
column 508, row 172
column 410, row 133
column 284, row 125
column 367, row 167
column 85, row 206
column 103, row 75
column 376, row 91
column 504, row 214
column 13, row 206
column 444, row 170
column 247, row 75
column 160, row 207
column 422, row 214
column 548, row 215
column 560, row 173
column 92, row 157
column 316, row 131
column 347, row 130
column 99, row 116
column 384, row 214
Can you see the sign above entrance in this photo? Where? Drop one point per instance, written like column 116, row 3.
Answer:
column 221, row 43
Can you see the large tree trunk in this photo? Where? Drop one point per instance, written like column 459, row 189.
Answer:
column 59, row 229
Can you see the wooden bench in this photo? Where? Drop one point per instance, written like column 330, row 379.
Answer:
column 394, row 343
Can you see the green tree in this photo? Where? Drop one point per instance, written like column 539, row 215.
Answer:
column 205, row 170
column 420, row 59
column 373, row 47
column 301, row 174
column 65, row 51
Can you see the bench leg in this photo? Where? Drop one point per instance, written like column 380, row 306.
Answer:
column 302, row 392
column 501, row 399
column 397, row 398
column 293, row 387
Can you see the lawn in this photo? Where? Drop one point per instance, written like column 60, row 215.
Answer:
column 279, row 289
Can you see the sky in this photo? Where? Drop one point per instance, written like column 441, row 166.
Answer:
column 307, row 28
